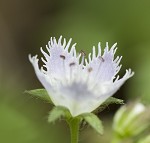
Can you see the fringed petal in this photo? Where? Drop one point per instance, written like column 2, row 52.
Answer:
column 104, row 67
column 59, row 59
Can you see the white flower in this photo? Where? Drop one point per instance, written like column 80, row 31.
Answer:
column 74, row 82
column 131, row 120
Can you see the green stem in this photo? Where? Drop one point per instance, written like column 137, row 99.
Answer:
column 74, row 129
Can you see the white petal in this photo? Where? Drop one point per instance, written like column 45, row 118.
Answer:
column 106, row 89
column 82, row 97
column 76, row 97
column 104, row 67
column 59, row 60
column 47, row 82
column 41, row 76
column 116, row 85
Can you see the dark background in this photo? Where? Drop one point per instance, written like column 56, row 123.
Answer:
column 27, row 25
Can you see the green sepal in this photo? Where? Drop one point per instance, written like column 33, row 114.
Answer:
column 40, row 94
column 57, row 112
column 110, row 100
column 93, row 121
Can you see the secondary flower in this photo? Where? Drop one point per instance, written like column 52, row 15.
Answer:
column 145, row 139
column 131, row 120
column 81, row 85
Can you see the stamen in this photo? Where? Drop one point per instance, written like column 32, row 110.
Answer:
column 83, row 53
column 83, row 56
column 63, row 64
column 90, row 69
column 88, row 76
column 63, row 57
column 72, row 64
column 101, row 58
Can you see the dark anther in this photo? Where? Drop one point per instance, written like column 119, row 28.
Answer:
column 90, row 69
column 72, row 64
column 83, row 53
column 63, row 57
column 101, row 58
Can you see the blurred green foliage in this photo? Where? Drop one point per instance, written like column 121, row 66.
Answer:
column 26, row 25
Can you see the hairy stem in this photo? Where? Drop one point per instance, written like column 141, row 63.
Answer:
column 74, row 129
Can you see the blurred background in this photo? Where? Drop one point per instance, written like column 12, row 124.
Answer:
column 27, row 25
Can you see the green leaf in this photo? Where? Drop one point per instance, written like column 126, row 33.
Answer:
column 57, row 112
column 93, row 121
column 110, row 100
column 40, row 94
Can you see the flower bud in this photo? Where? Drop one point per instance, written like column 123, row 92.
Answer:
column 145, row 140
column 131, row 120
